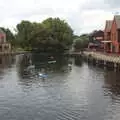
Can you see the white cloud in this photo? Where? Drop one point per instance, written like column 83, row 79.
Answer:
column 95, row 19
column 82, row 15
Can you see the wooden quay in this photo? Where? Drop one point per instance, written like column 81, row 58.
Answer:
column 103, row 59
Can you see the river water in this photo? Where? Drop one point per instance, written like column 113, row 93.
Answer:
column 84, row 92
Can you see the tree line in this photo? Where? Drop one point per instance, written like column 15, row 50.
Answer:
column 51, row 35
column 81, row 42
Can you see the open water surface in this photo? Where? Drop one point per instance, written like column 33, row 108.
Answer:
column 81, row 93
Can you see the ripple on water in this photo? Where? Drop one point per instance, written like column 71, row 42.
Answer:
column 84, row 93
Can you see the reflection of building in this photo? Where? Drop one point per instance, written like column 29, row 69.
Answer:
column 112, row 82
column 5, row 61
column 4, row 45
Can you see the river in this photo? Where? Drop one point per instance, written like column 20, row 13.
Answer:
column 84, row 92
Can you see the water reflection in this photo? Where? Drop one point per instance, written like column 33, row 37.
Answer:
column 112, row 82
column 50, row 65
column 6, row 61
column 81, row 93
column 78, row 61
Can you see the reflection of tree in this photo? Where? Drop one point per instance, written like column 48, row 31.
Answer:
column 22, row 63
column 61, row 64
column 112, row 82
column 78, row 61
column 40, row 62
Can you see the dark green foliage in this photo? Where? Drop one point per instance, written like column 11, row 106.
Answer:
column 52, row 34
column 81, row 42
column 24, row 31
column 60, row 30
column 9, row 36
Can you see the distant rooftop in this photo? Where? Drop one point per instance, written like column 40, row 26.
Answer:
column 97, row 33
column 108, row 25
column 117, row 19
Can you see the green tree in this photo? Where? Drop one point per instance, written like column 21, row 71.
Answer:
column 24, row 31
column 52, row 34
column 40, row 38
column 10, row 37
column 81, row 42
column 60, row 32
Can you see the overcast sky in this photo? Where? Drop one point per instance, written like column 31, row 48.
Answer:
column 84, row 16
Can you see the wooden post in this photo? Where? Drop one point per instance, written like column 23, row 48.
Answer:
column 97, row 62
column 3, row 48
column 118, row 67
column 115, row 67
column 104, row 64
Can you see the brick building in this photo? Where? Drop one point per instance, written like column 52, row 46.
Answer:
column 107, row 36
column 4, row 45
column 96, row 38
column 115, row 34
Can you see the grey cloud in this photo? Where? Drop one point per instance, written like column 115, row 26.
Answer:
column 107, row 5
column 33, row 12
column 94, row 5
column 19, row 10
column 113, row 3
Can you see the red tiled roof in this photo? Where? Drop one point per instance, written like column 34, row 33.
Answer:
column 108, row 25
column 117, row 19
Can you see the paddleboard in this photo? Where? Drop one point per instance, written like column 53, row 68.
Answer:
column 52, row 61
column 43, row 75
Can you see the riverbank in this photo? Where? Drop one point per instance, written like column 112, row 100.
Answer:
column 103, row 59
